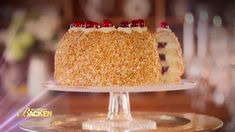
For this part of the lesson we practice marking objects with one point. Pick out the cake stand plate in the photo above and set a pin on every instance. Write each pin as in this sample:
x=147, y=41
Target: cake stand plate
x=184, y=84
x=167, y=122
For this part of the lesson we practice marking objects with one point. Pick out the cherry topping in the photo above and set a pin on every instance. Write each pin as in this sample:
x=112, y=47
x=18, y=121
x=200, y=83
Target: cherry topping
x=107, y=23
x=89, y=24
x=124, y=24
x=96, y=25
x=162, y=57
x=76, y=24
x=162, y=44
x=83, y=24
x=164, y=69
x=164, y=25
x=137, y=23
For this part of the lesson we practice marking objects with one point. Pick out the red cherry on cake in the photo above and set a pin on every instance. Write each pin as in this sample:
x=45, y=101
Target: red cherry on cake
x=96, y=25
x=76, y=24
x=141, y=22
x=124, y=24
x=164, y=25
x=137, y=23
x=83, y=24
x=89, y=24
x=107, y=23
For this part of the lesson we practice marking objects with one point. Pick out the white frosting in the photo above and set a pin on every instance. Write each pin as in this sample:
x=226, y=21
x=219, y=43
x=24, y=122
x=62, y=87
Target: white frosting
x=87, y=30
x=75, y=29
x=124, y=29
x=164, y=29
x=139, y=29
x=106, y=29
x=110, y=29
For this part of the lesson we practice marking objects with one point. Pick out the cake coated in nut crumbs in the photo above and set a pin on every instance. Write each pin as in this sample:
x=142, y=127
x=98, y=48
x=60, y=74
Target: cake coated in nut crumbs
x=91, y=54
x=106, y=59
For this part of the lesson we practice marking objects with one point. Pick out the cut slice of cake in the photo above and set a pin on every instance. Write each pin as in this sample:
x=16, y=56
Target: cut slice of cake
x=170, y=54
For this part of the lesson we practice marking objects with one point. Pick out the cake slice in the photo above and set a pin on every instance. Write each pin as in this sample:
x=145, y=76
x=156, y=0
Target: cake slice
x=170, y=54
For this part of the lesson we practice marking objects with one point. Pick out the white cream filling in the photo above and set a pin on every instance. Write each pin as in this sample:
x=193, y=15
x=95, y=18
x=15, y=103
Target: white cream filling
x=139, y=29
x=106, y=29
x=124, y=29
x=172, y=58
x=163, y=29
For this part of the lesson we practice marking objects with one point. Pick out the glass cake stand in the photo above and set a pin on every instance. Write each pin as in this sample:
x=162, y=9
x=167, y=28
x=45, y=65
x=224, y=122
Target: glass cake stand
x=166, y=122
x=119, y=117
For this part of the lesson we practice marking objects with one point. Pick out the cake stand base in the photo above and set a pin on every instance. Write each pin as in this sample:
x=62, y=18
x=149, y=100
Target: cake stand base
x=104, y=124
x=166, y=122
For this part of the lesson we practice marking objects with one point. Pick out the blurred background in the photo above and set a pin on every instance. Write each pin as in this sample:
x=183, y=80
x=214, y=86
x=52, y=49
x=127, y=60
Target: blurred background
x=31, y=29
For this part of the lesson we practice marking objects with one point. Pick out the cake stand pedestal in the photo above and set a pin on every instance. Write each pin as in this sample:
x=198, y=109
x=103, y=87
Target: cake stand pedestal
x=119, y=113
x=119, y=117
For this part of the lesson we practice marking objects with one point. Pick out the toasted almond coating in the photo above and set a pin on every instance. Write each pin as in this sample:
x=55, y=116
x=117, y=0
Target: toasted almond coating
x=106, y=59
